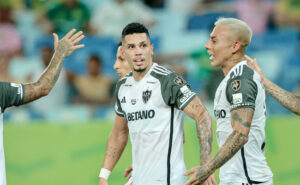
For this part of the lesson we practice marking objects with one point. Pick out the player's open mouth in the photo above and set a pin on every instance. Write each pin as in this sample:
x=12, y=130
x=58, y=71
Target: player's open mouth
x=211, y=57
x=139, y=61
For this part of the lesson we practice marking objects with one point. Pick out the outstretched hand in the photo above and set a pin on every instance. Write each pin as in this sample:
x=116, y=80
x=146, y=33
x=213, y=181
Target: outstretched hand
x=200, y=176
x=68, y=43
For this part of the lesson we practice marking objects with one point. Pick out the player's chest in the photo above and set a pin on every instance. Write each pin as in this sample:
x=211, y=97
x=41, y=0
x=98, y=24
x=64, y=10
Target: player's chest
x=140, y=96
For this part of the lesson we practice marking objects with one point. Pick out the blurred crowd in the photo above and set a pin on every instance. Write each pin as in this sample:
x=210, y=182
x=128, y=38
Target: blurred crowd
x=179, y=29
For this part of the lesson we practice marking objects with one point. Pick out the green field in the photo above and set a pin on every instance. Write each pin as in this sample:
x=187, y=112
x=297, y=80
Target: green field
x=42, y=153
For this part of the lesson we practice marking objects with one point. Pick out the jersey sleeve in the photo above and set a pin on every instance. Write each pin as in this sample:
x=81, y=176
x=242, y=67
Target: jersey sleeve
x=176, y=91
x=118, y=108
x=11, y=94
x=241, y=91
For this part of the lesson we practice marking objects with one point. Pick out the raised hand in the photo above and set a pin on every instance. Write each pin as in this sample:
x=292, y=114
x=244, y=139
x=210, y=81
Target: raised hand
x=68, y=43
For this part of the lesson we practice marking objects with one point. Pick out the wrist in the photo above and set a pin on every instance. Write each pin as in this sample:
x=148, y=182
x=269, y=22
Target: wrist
x=59, y=54
x=104, y=173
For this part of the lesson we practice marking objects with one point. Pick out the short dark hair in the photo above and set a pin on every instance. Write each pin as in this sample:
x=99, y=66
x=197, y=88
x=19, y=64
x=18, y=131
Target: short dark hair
x=95, y=58
x=134, y=27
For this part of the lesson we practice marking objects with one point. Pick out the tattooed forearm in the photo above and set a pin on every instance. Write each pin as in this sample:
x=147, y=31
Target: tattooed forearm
x=63, y=48
x=233, y=143
x=285, y=98
x=46, y=82
x=241, y=121
x=204, y=132
x=204, y=128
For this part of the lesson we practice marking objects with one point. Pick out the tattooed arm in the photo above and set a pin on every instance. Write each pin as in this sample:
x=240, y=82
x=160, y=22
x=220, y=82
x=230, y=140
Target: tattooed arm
x=63, y=48
x=241, y=120
x=198, y=112
x=115, y=145
x=285, y=98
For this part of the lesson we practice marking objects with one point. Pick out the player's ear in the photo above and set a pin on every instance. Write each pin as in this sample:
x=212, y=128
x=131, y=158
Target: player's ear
x=152, y=49
x=236, y=46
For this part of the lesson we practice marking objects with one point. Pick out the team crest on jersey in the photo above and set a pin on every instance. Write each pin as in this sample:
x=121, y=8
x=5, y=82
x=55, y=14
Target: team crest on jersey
x=178, y=80
x=236, y=84
x=146, y=95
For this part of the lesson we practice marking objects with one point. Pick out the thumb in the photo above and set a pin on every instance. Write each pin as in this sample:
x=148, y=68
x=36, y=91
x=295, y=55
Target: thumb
x=189, y=172
x=55, y=40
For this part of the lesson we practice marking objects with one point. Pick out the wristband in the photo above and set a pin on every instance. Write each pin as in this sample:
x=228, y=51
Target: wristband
x=104, y=173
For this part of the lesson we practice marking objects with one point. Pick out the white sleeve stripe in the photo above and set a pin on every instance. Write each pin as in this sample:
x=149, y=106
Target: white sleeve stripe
x=121, y=113
x=165, y=74
x=156, y=69
x=163, y=68
x=21, y=92
x=187, y=100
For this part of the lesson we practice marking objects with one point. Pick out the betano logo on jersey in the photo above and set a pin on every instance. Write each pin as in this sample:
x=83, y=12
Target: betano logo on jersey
x=140, y=115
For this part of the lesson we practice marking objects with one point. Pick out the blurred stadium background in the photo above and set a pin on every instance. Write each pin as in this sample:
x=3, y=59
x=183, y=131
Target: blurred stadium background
x=61, y=139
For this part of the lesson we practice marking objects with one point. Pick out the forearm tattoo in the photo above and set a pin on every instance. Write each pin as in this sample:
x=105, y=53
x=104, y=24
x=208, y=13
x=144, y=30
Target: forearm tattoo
x=285, y=98
x=47, y=80
x=241, y=122
x=204, y=131
x=234, y=142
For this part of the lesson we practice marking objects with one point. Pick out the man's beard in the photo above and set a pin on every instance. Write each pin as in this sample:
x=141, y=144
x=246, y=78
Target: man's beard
x=140, y=70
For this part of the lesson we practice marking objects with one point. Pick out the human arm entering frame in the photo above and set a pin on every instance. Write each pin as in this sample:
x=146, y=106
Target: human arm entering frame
x=285, y=98
x=198, y=112
x=241, y=121
x=115, y=145
x=63, y=48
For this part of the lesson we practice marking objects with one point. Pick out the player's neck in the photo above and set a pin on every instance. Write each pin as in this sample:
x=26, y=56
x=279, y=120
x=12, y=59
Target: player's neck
x=230, y=63
x=140, y=75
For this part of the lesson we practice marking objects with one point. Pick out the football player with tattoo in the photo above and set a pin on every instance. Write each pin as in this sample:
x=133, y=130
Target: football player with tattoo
x=150, y=102
x=285, y=98
x=239, y=108
x=12, y=94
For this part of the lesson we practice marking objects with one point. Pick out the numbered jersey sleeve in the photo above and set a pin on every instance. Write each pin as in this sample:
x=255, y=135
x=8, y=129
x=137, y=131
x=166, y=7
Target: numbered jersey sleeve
x=11, y=94
x=241, y=90
x=175, y=90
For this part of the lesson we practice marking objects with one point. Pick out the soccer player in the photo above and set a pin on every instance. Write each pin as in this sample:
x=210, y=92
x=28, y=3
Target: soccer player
x=149, y=107
x=12, y=94
x=285, y=98
x=121, y=65
x=239, y=108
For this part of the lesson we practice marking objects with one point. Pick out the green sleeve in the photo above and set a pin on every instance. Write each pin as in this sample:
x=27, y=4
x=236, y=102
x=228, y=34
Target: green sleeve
x=175, y=90
x=11, y=94
x=118, y=108
x=241, y=90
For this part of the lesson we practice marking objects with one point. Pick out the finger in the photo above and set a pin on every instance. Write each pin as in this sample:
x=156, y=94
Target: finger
x=189, y=182
x=213, y=179
x=55, y=40
x=78, y=39
x=196, y=182
x=69, y=34
x=78, y=47
x=75, y=36
x=189, y=172
x=128, y=177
